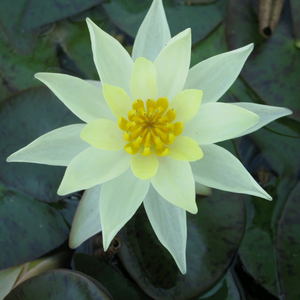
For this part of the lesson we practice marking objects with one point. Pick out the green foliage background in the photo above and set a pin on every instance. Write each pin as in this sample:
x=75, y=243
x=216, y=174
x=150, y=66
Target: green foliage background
x=239, y=247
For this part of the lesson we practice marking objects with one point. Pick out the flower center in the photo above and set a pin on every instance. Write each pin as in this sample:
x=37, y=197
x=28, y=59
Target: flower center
x=150, y=127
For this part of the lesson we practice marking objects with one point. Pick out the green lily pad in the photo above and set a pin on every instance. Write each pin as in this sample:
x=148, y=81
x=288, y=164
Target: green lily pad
x=28, y=228
x=108, y=276
x=278, y=174
x=295, y=10
x=288, y=245
x=272, y=70
x=59, y=284
x=225, y=289
x=23, y=118
x=39, y=13
x=17, y=70
x=214, y=235
x=128, y=16
x=21, y=40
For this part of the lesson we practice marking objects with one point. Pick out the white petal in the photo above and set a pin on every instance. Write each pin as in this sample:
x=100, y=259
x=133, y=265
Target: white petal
x=86, y=222
x=113, y=63
x=172, y=65
x=221, y=170
x=92, y=167
x=216, y=122
x=119, y=200
x=57, y=147
x=169, y=224
x=266, y=114
x=174, y=181
x=96, y=83
x=215, y=75
x=202, y=190
x=81, y=97
x=153, y=34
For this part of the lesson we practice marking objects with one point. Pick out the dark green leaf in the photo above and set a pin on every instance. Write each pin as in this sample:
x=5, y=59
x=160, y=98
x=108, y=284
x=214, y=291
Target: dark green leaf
x=59, y=284
x=23, y=118
x=288, y=245
x=119, y=286
x=18, y=70
x=273, y=68
x=28, y=228
x=274, y=169
x=226, y=289
x=38, y=13
x=10, y=20
x=214, y=235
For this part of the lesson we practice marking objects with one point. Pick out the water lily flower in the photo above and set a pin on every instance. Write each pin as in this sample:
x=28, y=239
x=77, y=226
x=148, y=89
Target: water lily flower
x=149, y=133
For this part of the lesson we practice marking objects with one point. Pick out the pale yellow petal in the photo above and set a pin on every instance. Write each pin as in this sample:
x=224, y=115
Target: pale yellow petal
x=185, y=148
x=186, y=104
x=118, y=100
x=144, y=167
x=103, y=134
x=143, y=80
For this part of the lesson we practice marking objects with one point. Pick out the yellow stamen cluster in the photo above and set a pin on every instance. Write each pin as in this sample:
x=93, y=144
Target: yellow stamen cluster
x=150, y=127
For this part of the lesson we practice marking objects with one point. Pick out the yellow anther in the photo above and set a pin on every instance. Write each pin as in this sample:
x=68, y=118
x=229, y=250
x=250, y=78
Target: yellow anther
x=138, y=119
x=122, y=123
x=162, y=152
x=163, y=102
x=136, y=132
x=151, y=111
x=150, y=103
x=126, y=136
x=170, y=126
x=151, y=128
x=131, y=124
x=131, y=114
x=158, y=142
x=161, y=134
x=171, y=138
x=178, y=128
x=146, y=151
x=142, y=111
x=137, y=104
x=159, y=109
x=171, y=114
x=130, y=149
x=163, y=119
x=137, y=143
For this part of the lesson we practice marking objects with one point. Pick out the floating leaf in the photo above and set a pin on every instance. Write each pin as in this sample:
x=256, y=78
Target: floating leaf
x=28, y=228
x=23, y=118
x=288, y=245
x=10, y=20
x=272, y=70
x=59, y=284
x=214, y=235
x=108, y=276
x=39, y=13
